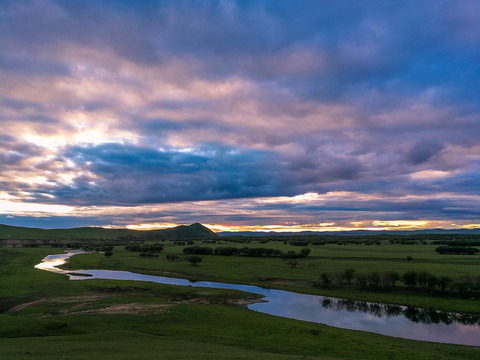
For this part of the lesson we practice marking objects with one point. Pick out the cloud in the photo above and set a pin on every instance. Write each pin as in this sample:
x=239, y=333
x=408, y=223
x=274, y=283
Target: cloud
x=108, y=103
x=423, y=151
x=136, y=174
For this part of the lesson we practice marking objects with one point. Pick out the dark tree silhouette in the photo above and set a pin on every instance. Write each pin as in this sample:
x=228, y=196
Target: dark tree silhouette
x=194, y=260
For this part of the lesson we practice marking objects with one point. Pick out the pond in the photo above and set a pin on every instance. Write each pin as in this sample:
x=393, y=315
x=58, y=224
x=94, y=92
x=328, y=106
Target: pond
x=391, y=320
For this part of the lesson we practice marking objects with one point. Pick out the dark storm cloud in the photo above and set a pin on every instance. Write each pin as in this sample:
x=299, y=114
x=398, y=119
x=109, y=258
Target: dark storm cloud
x=143, y=175
x=423, y=151
x=134, y=175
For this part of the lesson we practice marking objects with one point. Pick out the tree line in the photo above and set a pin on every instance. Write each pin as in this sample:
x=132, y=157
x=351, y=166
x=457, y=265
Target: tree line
x=466, y=286
x=359, y=239
x=457, y=250
x=245, y=251
x=465, y=242
x=145, y=251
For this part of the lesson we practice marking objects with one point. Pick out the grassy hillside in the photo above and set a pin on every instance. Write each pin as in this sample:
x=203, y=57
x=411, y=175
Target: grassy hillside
x=183, y=232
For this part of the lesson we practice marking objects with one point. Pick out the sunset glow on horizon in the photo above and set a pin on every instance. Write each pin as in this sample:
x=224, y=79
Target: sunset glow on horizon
x=241, y=115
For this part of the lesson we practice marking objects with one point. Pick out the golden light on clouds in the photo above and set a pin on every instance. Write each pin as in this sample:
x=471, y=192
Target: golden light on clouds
x=273, y=219
x=22, y=208
x=404, y=224
x=152, y=226
x=431, y=174
x=470, y=226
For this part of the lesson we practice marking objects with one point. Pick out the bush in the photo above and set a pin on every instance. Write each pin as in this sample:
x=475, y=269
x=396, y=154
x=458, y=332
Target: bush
x=194, y=260
x=326, y=279
x=171, y=257
x=304, y=252
x=292, y=263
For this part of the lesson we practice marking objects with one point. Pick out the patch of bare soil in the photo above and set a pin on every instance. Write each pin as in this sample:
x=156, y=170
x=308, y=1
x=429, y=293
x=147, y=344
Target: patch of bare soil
x=248, y=301
x=58, y=300
x=133, y=308
x=88, y=304
x=280, y=281
x=27, y=305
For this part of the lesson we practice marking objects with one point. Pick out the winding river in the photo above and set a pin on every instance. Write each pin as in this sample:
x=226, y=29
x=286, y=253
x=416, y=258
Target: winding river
x=391, y=320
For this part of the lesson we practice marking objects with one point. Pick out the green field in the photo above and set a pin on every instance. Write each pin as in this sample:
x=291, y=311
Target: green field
x=274, y=273
x=45, y=316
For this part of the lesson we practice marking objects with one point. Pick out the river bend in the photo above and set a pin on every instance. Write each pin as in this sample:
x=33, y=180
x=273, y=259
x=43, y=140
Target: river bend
x=390, y=320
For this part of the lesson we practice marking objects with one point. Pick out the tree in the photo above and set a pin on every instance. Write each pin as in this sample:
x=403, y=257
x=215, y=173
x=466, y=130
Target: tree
x=172, y=257
x=326, y=279
x=422, y=279
x=194, y=260
x=291, y=262
x=373, y=279
x=349, y=274
x=432, y=281
x=389, y=279
x=290, y=255
x=410, y=278
x=443, y=282
x=362, y=281
x=304, y=252
x=338, y=277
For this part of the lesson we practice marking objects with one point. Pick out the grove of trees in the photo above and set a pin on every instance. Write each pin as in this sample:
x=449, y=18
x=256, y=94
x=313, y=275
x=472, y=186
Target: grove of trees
x=422, y=281
x=461, y=250
x=246, y=251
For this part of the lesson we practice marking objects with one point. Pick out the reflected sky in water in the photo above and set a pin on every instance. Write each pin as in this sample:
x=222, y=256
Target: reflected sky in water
x=409, y=323
x=51, y=262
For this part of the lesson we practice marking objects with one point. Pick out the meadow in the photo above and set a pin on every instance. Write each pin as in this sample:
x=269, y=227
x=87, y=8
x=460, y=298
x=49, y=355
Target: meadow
x=272, y=272
x=44, y=315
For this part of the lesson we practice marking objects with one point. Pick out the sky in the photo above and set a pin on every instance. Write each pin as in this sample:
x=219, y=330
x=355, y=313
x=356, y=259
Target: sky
x=241, y=115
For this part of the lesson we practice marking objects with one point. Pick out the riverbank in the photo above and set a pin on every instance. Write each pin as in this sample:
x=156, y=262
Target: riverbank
x=405, y=322
x=305, y=278
x=213, y=329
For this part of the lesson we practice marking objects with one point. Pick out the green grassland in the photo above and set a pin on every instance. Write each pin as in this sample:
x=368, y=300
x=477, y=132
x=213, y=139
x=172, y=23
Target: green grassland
x=274, y=273
x=46, y=316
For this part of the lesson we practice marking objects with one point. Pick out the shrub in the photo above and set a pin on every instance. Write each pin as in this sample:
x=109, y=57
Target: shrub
x=194, y=260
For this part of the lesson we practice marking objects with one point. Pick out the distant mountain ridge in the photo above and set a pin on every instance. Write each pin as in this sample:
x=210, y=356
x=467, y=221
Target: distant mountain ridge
x=354, y=232
x=186, y=232
x=182, y=232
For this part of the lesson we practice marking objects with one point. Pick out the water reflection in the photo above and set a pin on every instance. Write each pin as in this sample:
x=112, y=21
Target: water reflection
x=416, y=315
x=52, y=262
x=391, y=320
